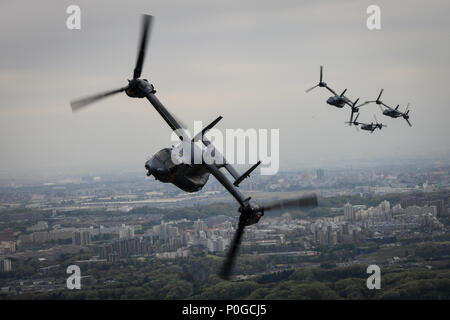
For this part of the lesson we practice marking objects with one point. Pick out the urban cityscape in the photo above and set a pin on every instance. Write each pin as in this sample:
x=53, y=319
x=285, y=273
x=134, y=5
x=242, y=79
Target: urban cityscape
x=96, y=220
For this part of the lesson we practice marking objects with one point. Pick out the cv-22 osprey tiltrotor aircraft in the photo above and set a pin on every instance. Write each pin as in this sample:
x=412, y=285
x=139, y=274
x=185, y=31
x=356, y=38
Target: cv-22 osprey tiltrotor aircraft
x=367, y=126
x=192, y=177
x=391, y=112
x=338, y=100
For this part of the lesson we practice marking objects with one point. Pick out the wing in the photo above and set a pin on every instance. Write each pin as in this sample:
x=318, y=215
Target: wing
x=331, y=90
x=386, y=106
x=220, y=176
x=169, y=118
x=348, y=101
x=364, y=103
x=214, y=168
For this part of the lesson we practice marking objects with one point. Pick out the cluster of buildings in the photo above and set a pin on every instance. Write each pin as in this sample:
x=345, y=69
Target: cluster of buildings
x=329, y=233
x=79, y=236
x=396, y=220
x=399, y=221
x=161, y=239
x=357, y=223
x=168, y=240
x=124, y=248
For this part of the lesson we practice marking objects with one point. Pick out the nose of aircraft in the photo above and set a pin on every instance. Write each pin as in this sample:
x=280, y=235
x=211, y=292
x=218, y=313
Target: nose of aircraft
x=149, y=168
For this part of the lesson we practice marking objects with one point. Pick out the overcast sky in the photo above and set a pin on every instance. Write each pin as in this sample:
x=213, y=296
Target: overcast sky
x=249, y=61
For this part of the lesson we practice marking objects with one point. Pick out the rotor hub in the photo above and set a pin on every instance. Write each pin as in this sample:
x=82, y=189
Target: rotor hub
x=250, y=214
x=137, y=87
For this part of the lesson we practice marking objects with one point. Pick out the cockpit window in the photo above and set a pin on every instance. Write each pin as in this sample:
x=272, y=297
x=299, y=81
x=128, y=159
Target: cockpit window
x=165, y=156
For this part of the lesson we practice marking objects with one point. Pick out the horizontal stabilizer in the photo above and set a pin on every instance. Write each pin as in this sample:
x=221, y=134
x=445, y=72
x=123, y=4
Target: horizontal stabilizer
x=199, y=135
x=246, y=174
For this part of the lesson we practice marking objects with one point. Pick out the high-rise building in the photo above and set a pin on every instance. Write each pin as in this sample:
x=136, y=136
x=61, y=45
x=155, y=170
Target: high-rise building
x=8, y=247
x=199, y=225
x=385, y=206
x=126, y=232
x=5, y=265
x=348, y=212
x=81, y=238
x=439, y=206
x=85, y=238
x=320, y=173
x=345, y=229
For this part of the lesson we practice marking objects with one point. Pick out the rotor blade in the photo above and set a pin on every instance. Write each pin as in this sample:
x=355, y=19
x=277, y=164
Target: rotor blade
x=227, y=266
x=303, y=202
x=408, y=122
x=321, y=73
x=407, y=108
x=80, y=103
x=364, y=103
x=146, y=25
x=379, y=96
x=312, y=88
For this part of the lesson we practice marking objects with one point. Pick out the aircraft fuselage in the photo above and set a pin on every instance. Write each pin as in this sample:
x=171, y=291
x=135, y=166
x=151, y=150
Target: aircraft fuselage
x=392, y=113
x=337, y=101
x=189, y=178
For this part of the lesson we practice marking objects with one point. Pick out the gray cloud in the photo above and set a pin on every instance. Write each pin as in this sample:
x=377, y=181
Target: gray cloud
x=249, y=61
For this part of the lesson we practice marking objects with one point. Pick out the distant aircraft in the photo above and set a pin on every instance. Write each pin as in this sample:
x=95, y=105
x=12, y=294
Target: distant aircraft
x=367, y=126
x=391, y=112
x=337, y=100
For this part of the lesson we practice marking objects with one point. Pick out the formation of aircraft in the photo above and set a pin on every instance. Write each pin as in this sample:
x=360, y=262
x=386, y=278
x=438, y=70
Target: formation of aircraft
x=191, y=177
x=340, y=100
